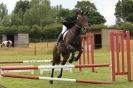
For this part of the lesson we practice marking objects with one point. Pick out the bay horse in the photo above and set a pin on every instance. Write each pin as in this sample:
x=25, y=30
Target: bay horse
x=7, y=43
x=71, y=40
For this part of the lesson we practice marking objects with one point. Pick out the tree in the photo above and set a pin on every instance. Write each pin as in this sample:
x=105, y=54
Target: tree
x=3, y=11
x=7, y=21
x=21, y=7
x=19, y=11
x=124, y=11
x=60, y=13
x=94, y=16
x=39, y=13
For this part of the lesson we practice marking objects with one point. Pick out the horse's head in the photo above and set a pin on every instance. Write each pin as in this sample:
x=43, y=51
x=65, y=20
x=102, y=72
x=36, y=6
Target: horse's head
x=82, y=21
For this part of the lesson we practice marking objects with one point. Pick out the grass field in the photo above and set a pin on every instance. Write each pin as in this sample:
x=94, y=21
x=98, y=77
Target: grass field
x=44, y=51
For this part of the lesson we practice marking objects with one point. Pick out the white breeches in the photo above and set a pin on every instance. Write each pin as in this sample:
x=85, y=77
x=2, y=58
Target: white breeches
x=64, y=28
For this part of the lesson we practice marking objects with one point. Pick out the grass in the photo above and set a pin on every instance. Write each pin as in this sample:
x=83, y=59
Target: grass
x=44, y=52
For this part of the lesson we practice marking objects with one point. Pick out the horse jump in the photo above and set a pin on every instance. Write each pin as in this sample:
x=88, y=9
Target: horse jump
x=116, y=39
x=117, y=68
x=30, y=61
x=88, y=50
x=120, y=41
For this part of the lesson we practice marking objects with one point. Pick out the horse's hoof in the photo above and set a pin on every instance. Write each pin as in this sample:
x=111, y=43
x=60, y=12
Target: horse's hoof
x=59, y=76
x=51, y=82
x=75, y=59
x=70, y=61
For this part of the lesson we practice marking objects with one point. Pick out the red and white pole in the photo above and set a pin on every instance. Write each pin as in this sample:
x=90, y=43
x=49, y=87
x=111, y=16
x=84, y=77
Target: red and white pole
x=51, y=67
x=25, y=61
x=55, y=79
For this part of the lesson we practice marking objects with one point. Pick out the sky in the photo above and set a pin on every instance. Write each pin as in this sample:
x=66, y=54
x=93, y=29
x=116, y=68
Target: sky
x=105, y=7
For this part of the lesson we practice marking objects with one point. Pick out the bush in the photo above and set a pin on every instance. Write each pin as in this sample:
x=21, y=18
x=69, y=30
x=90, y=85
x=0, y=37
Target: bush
x=127, y=26
x=49, y=32
x=24, y=29
x=98, y=27
x=1, y=29
x=10, y=29
x=36, y=29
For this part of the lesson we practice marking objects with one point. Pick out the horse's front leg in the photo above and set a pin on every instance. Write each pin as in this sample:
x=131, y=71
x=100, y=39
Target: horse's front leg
x=52, y=74
x=79, y=54
x=72, y=57
x=65, y=58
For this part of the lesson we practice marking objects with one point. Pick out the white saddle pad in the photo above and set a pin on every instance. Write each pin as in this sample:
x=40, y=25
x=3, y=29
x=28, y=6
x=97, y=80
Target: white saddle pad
x=64, y=35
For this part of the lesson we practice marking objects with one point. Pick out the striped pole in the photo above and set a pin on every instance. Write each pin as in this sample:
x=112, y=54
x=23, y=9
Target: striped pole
x=55, y=79
x=25, y=61
x=51, y=67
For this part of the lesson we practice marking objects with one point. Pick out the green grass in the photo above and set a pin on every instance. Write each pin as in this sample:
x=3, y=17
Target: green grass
x=101, y=56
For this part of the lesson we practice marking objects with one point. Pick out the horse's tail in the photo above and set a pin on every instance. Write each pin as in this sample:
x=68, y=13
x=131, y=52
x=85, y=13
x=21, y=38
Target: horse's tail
x=1, y=45
x=56, y=55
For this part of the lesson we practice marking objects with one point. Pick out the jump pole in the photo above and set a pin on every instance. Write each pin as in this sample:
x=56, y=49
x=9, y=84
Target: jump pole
x=55, y=79
x=51, y=67
x=25, y=61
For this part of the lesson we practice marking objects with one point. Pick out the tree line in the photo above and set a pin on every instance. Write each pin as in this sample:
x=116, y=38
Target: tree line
x=43, y=21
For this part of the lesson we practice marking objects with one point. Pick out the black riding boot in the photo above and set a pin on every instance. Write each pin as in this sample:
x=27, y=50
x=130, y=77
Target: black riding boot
x=60, y=37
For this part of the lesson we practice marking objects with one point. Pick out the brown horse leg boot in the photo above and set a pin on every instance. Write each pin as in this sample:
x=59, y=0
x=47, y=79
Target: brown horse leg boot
x=71, y=48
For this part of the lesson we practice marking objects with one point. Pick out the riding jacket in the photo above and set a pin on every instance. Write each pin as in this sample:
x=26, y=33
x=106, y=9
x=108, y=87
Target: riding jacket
x=69, y=21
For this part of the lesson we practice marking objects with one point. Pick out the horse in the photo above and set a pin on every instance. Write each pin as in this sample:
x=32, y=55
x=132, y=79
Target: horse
x=72, y=40
x=7, y=43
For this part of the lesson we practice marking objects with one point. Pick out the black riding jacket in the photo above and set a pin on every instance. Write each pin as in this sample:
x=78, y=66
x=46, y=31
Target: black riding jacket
x=69, y=21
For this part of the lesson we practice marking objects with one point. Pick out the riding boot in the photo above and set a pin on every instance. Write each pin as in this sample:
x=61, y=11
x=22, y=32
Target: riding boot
x=60, y=37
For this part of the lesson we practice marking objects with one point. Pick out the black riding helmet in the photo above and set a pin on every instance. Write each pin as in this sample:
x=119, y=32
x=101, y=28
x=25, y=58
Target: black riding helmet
x=77, y=11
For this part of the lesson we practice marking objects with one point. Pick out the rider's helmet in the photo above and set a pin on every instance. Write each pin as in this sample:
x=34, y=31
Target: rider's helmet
x=77, y=11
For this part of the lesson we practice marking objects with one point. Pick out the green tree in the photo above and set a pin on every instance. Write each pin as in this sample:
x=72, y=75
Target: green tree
x=60, y=13
x=7, y=21
x=16, y=20
x=19, y=10
x=39, y=13
x=94, y=16
x=124, y=11
x=3, y=12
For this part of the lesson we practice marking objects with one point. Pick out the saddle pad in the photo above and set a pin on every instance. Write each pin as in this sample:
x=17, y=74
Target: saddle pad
x=64, y=34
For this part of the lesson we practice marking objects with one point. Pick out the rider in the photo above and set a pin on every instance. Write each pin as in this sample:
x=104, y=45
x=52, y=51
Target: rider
x=68, y=23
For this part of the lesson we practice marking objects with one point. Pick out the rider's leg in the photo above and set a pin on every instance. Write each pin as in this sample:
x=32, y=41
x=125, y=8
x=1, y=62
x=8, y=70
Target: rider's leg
x=64, y=28
x=60, y=37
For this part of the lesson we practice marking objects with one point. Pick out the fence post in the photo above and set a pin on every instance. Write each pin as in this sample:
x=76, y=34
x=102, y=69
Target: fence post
x=35, y=50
